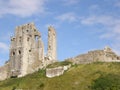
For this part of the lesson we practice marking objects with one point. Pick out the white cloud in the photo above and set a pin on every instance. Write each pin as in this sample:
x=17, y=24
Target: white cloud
x=69, y=17
x=106, y=35
x=111, y=23
x=104, y=20
x=94, y=7
x=117, y=4
x=3, y=47
x=70, y=2
x=111, y=26
x=22, y=8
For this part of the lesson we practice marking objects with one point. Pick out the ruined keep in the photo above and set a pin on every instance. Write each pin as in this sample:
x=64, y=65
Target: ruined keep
x=27, y=52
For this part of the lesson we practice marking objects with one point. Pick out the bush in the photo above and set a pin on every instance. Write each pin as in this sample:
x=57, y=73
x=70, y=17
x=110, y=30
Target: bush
x=107, y=82
x=14, y=88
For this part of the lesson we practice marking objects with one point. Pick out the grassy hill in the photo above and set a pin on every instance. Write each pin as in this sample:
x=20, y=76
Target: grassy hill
x=95, y=76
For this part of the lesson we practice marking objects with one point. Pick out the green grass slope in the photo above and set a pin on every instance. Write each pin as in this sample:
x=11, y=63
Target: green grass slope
x=95, y=76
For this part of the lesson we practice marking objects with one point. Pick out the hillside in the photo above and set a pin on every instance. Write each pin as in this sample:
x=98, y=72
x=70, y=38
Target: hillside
x=95, y=76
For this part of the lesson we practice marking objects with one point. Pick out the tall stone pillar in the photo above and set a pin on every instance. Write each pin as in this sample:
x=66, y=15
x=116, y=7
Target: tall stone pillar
x=52, y=54
x=41, y=50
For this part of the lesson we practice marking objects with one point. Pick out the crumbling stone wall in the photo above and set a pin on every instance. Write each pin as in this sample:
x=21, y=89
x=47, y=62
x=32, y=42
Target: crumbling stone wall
x=4, y=72
x=105, y=55
x=54, y=72
x=57, y=71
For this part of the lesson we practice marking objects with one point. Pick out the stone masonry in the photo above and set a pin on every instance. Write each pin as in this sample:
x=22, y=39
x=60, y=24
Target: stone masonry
x=57, y=71
x=52, y=54
x=105, y=55
x=27, y=52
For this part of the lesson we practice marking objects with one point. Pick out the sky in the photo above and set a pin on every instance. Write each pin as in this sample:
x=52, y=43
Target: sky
x=81, y=25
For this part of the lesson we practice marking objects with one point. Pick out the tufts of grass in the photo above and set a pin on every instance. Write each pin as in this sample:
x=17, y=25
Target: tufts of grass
x=57, y=64
x=94, y=76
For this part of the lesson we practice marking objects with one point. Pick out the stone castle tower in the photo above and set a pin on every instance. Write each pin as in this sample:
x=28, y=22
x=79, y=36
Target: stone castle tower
x=27, y=51
x=51, y=55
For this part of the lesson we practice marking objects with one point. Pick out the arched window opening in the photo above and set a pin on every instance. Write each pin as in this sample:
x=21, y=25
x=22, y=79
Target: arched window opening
x=29, y=50
x=19, y=52
x=13, y=53
x=36, y=38
x=27, y=30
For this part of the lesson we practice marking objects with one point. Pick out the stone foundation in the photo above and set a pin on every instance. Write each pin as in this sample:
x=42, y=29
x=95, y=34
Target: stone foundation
x=57, y=71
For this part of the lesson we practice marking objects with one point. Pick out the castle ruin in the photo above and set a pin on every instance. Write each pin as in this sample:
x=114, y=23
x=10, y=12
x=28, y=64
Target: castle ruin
x=27, y=52
x=52, y=54
x=105, y=55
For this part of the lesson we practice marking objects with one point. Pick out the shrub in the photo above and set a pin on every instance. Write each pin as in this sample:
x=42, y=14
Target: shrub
x=107, y=82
